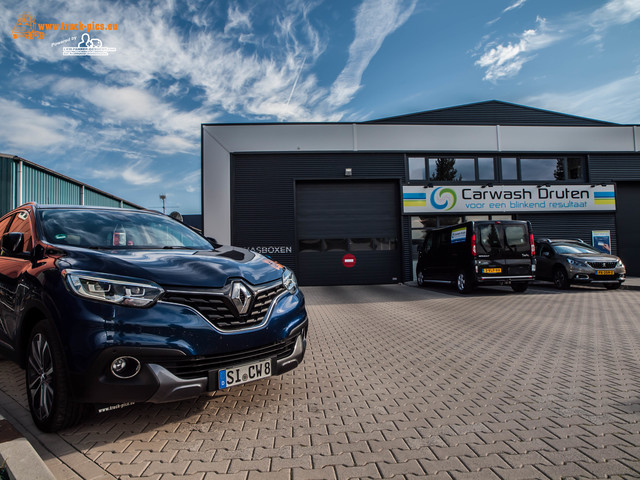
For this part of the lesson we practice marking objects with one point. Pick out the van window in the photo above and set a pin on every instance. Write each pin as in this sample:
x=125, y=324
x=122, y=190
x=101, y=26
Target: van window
x=489, y=241
x=516, y=238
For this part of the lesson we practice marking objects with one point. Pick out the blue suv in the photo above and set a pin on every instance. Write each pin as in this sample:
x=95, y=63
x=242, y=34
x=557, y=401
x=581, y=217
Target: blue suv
x=113, y=306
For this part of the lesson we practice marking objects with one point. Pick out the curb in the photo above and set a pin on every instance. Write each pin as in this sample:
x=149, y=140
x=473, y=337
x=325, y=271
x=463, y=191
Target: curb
x=18, y=456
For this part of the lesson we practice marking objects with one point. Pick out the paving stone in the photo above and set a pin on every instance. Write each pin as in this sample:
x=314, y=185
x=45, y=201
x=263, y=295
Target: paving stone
x=397, y=382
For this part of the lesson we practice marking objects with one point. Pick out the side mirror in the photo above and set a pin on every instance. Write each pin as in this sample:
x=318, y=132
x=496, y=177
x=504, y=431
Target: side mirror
x=214, y=243
x=546, y=254
x=12, y=244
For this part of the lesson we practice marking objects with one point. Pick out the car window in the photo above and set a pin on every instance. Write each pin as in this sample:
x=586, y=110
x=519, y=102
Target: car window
x=116, y=229
x=4, y=223
x=22, y=224
x=428, y=243
x=545, y=250
x=574, y=248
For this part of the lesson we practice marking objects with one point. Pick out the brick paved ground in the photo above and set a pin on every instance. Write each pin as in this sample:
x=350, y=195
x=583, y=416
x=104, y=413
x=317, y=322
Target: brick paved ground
x=398, y=382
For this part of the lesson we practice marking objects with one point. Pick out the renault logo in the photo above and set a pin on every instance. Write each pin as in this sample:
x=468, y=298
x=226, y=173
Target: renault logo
x=241, y=297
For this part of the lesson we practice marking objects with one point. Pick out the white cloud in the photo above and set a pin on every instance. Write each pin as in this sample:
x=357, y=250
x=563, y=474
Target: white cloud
x=617, y=101
x=173, y=144
x=31, y=129
x=515, y=5
x=237, y=19
x=375, y=20
x=135, y=173
x=123, y=105
x=507, y=60
x=615, y=12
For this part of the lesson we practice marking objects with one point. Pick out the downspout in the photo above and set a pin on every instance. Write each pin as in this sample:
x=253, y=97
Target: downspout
x=19, y=179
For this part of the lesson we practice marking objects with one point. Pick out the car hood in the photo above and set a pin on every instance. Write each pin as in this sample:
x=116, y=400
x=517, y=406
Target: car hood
x=184, y=268
x=592, y=257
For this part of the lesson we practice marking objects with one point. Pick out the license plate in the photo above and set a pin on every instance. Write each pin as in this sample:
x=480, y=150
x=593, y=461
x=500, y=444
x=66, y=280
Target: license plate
x=244, y=373
x=491, y=270
x=605, y=272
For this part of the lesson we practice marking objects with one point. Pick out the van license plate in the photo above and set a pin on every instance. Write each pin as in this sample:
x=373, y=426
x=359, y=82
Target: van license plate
x=605, y=272
x=491, y=270
x=244, y=373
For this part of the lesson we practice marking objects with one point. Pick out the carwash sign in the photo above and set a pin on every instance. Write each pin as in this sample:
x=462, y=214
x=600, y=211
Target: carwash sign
x=507, y=198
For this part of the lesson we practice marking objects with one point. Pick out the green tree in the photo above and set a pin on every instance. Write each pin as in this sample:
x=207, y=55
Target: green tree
x=445, y=170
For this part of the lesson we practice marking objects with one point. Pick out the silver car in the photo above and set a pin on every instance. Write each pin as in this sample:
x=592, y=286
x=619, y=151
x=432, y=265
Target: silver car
x=573, y=261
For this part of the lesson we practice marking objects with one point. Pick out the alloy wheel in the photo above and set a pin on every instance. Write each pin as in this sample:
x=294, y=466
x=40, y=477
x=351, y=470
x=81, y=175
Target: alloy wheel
x=40, y=376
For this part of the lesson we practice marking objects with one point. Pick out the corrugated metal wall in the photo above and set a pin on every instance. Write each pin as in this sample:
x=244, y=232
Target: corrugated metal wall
x=573, y=225
x=263, y=194
x=99, y=200
x=41, y=187
x=7, y=194
x=608, y=168
x=46, y=187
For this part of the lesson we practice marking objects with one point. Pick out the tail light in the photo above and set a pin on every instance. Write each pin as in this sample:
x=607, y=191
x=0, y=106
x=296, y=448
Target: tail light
x=533, y=245
x=474, y=250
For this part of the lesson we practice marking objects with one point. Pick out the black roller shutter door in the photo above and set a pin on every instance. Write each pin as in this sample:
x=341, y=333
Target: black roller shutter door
x=348, y=232
x=628, y=200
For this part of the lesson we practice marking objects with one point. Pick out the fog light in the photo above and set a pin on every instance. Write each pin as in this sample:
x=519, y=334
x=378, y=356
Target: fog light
x=125, y=367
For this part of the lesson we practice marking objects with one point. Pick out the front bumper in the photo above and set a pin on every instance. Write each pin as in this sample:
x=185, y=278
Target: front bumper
x=593, y=278
x=168, y=375
x=586, y=275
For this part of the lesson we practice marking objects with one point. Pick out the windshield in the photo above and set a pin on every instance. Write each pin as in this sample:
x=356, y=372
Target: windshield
x=116, y=229
x=573, y=248
x=494, y=239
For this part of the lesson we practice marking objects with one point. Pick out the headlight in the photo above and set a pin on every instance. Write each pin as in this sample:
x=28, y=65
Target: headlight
x=572, y=261
x=130, y=292
x=619, y=264
x=289, y=281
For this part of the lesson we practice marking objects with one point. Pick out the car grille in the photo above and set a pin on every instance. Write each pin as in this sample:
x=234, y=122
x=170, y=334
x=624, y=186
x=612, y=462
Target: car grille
x=199, y=366
x=602, y=264
x=218, y=309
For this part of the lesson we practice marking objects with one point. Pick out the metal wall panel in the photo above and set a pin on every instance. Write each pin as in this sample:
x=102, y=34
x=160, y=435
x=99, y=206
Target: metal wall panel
x=576, y=225
x=427, y=137
x=97, y=199
x=627, y=201
x=7, y=183
x=42, y=187
x=611, y=168
x=492, y=112
x=263, y=194
x=566, y=139
x=216, y=188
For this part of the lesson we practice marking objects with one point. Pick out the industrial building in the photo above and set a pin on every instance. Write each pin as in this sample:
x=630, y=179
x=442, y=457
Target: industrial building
x=23, y=181
x=347, y=203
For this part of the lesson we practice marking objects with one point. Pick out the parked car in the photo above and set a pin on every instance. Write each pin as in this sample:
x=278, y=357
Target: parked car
x=112, y=306
x=478, y=253
x=573, y=261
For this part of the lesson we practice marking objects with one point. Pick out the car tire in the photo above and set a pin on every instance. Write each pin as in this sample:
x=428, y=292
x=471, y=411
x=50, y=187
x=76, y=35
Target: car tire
x=613, y=286
x=560, y=278
x=420, y=279
x=519, y=286
x=47, y=382
x=463, y=282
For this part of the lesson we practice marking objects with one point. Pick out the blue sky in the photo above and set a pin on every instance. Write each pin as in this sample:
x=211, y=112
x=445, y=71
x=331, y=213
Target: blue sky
x=129, y=122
